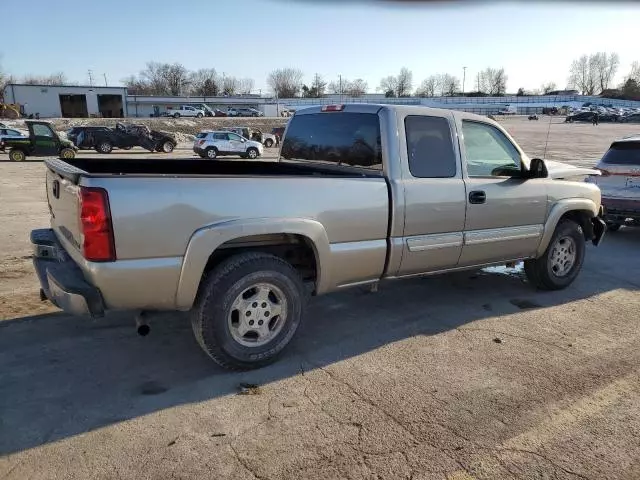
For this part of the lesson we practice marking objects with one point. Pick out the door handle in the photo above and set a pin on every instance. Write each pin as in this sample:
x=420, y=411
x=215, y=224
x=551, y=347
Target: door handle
x=477, y=196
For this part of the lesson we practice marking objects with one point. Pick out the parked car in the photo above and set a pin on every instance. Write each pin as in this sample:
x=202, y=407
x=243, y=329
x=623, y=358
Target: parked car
x=185, y=111
x=267, y=139
x=580, y=117
x=219, y=143
x=631, y=118
x=11, y=133
x=533, y=117
x=85, y=133
x=127, y=136
x=362, y=193
x=244, y=112
x=619, y=182
x=42, y=141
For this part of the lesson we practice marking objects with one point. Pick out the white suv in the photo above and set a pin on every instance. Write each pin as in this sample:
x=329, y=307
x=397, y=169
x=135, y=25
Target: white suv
x=212, y=144
x=185, y=111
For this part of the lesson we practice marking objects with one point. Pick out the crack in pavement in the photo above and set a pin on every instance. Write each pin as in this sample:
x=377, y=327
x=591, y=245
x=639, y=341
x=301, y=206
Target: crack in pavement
x=244, y=464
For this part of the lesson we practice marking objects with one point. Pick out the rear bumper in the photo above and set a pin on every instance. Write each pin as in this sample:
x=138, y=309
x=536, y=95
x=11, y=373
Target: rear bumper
x=61, y=281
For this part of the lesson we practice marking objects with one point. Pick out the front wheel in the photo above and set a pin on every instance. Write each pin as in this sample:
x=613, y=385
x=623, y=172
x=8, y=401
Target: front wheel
x=252, y=153
x=67, y=153
x=199, y=115
x=16, y=155
x=248, y=309
x=176, y=115
x=561, y=262
x=268, y=143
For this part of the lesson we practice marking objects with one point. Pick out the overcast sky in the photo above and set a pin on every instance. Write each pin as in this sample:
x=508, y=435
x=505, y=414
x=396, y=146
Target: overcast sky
x=249, y=38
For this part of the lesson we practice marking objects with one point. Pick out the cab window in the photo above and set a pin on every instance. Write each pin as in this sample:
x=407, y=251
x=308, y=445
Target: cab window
x=42, y=131
x=488, y=151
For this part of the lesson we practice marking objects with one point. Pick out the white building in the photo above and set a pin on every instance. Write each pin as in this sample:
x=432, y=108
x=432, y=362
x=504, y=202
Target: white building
x=68, y=100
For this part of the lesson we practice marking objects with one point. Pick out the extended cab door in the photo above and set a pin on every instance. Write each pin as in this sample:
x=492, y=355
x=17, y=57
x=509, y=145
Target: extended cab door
x=435, y=199
x=505, y=216
x=45, y=142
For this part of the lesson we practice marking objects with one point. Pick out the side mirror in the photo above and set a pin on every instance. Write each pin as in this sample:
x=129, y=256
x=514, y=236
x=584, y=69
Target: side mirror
x=538, y=169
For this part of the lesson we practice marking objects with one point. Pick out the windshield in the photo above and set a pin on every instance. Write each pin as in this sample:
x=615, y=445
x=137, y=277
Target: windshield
x=342, y=138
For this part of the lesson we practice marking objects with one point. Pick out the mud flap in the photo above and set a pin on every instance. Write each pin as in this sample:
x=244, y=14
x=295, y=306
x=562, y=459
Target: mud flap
x=599, y=229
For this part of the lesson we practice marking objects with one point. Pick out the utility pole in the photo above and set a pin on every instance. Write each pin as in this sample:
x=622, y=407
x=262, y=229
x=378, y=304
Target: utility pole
x=478, y=81
x=340, y=77
x=90, y=78
x=105, y=80
x=464, y=77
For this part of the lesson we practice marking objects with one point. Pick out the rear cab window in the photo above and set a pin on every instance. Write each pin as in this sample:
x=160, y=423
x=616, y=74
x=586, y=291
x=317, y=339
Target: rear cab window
x=202, y=135
x=623, y=153
x=430, y=147
x=339, y=138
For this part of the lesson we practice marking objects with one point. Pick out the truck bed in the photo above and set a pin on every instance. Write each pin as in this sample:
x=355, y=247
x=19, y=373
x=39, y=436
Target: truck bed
x=101, y=167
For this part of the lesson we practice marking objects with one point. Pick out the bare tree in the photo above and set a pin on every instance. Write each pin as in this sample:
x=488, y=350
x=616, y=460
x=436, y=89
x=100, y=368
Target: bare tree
x=285, y=82
x=547, y=87
x=318, y=87
x=389, y=85
x=205, y=82
x=357, y=88
x=634, y=74
x=58, y=78
x=246, y=85
x=404, y=82
x=449, y=84
x=230, y=85
x=606, y=65
x=492, y=81
x=583, y=75
x=429, y=86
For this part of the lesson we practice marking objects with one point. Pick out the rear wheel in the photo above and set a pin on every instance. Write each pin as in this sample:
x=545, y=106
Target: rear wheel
x=268, y=143
x=561, y=262
x=248, y=309
x=176, y=115
x=104, y=147
x=211, y=153
x=17, y=155
x=252, y=153
x=167, y=147
x=67, y=153
x=199, y=115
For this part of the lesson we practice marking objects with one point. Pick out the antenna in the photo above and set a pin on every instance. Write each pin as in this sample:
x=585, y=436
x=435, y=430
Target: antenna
x=544, y=154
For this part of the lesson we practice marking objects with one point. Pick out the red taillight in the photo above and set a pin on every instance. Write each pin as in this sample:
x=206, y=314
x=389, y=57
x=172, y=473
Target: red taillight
x=603, y=173
x=201, y=142
x=95, y=219
x=332, y=108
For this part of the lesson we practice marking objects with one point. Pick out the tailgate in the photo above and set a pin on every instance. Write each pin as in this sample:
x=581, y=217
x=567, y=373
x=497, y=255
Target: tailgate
x=64, y=205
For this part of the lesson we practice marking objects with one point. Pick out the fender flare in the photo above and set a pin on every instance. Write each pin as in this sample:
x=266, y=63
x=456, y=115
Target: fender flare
x=207, y=239
x=559, y=209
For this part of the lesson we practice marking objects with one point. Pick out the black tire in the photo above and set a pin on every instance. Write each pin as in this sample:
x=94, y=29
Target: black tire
x=268, y=143
x=212, y=315
x=252, y=153
x=127, y=148
x=211, y=153
x=540, y=272
x=176, y=115
x=104, y=147
x=67, y=154
x=199, y=115
x=167, y=146
x=17, y=155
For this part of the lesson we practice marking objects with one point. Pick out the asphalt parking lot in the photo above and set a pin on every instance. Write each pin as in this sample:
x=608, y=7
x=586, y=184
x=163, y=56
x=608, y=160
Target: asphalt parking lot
x=466, y=376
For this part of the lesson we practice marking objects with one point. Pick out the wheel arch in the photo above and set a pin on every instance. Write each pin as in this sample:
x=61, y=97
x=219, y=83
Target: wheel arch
x=211, y=245
x=580, y=210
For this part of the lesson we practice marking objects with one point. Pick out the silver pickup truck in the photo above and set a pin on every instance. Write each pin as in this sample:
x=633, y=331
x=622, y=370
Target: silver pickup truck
x=361, y=193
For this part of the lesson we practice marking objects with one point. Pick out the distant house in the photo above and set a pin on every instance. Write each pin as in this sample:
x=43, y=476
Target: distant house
x=563, y=92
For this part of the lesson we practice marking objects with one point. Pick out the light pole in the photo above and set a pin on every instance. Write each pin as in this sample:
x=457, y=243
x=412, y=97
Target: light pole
x=340, y=77
x=464, y=77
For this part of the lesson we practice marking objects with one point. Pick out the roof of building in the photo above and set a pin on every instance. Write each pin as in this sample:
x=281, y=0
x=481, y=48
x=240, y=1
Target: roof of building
x=63, y=86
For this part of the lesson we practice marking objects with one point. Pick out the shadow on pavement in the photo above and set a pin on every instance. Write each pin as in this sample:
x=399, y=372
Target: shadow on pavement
x=61, y=376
